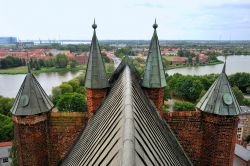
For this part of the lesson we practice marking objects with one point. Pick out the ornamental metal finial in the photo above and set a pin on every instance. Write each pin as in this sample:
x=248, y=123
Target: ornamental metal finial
x=94, y=26
x=155, y=25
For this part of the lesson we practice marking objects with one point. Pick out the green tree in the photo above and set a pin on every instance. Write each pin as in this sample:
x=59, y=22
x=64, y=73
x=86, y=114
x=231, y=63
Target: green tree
x=5, y=105
x=66, y=88
x=183, y=106
x=124, y=51
x=72, y=102
x=61, y=61
x=241, y=80
x=75, y=84
x=189, y=89
x=248, y=90
x=105, y=58
x=73, y=64
x=56, y=92
x=6, y=128
x=238, y=94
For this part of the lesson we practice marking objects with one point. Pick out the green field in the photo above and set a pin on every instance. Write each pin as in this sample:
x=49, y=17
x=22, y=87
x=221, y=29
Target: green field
x=23, y=70
x=169, y=58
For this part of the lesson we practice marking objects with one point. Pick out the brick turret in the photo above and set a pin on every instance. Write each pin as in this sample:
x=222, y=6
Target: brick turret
x=220, y=111
x=96, y=81
x=31, y=133
x=219, y=138
x=154, y=79
x=30, y=115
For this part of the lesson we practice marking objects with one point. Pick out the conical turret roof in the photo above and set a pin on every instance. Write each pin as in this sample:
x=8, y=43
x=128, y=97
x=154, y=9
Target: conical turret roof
x=154, y=74
x=220, y=98
x=95, y=77
x=31, y=98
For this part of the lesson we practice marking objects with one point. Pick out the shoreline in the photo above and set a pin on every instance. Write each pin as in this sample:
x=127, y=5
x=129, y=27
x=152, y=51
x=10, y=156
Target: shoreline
x=184, y=66
x=24, y=70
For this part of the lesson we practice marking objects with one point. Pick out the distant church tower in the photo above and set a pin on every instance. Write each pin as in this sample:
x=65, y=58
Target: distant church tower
x=154, y=79
x=220, y=111
x=30, y=115
x=96, y=81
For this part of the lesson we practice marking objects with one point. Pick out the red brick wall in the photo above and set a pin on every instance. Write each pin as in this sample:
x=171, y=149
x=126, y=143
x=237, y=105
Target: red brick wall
x=94, y=98
x=187, y=127
x=65, y=128
x=218, y=140
x=31, y=139
x=157, y=96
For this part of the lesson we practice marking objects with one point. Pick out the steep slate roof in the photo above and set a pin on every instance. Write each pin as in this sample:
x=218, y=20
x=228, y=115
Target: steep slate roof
x=95, y=77
x=31, y=99
x=154, y=74
x=127, y=131
x=220, y=98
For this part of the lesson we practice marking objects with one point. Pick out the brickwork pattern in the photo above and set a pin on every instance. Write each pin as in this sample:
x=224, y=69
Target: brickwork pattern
x=157, y=96
x=31, y=139
x=188, y=130
x=65, y=128
x=218, y=140
x=95, y=98
x=208, y=139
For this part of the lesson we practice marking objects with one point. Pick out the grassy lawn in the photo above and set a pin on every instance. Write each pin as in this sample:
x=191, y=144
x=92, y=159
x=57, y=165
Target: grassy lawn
x=14, y=70
x=23, y=70
x=169, y=58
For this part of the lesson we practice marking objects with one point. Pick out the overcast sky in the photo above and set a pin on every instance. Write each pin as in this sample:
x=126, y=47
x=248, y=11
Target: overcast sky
x=126, y=19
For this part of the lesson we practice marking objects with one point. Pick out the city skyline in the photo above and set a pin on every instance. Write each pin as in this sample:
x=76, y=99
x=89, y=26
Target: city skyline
x=126, y=20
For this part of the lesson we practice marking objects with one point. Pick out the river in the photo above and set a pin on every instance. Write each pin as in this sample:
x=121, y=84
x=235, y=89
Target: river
x=10, y=84
x=239, y=63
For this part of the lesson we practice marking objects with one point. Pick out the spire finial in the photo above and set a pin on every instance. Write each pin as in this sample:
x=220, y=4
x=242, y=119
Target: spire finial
x=155, y=25
x=94, y=26
x=28, y=64
x=224, y=67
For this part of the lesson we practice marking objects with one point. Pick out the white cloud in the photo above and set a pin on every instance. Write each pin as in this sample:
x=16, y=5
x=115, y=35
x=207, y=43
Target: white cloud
x=125, y=19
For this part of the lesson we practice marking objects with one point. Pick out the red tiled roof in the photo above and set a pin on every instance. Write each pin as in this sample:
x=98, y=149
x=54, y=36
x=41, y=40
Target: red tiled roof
x=3, y=144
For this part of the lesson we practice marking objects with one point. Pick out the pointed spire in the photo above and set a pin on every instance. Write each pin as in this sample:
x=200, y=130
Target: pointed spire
x=95, y=77
x=154, y=74
x=155, y=25
x=29, y=68
x=28, y=63
x=220, y=98
x=224, y=67
x=94, y=26
x=31, y=99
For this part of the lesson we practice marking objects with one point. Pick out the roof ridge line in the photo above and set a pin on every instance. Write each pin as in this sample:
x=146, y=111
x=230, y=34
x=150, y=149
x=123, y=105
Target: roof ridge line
x=128, y=153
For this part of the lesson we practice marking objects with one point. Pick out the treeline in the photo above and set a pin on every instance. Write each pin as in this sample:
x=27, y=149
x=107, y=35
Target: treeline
x=192, y=88
x=61, y=61
x=124, y=51
x=236, y=51
x=78, y=48
x=10, y=62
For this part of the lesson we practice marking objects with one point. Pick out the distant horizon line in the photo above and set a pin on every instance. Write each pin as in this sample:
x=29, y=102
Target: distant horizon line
x=87, y=40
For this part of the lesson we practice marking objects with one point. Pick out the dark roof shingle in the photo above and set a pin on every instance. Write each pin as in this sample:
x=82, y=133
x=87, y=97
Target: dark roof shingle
x=126, y=130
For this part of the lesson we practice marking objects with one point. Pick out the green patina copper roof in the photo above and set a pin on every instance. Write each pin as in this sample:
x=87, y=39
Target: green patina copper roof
x=95, y=75
x=31, y=98
x=154, y=74
x=220, y=98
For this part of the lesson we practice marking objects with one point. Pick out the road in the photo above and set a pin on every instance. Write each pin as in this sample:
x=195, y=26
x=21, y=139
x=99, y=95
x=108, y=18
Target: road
x=116, y=60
